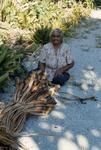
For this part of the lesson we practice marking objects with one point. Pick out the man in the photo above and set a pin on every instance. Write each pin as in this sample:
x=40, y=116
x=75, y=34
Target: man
x=56, y=59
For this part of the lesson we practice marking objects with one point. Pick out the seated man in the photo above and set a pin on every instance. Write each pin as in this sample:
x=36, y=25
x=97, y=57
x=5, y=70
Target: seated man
x=56, y=59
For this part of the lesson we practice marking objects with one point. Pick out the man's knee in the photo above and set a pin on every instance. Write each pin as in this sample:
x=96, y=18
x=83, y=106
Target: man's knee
x=60, y=79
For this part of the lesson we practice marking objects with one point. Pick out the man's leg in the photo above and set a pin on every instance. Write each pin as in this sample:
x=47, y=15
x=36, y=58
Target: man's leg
x=61, y=79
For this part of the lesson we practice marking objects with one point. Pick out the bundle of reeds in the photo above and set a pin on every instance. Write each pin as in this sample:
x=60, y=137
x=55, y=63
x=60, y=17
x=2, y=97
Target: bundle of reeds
x=33, y=96
x=8, y=141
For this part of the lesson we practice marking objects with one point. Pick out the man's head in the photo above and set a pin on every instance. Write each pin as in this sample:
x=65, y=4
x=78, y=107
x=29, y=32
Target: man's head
x=56, y=36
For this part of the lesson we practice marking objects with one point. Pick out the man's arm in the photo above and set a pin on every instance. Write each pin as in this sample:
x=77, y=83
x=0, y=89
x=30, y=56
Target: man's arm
x=64, y=68
x=67, y=67
x=42, y=67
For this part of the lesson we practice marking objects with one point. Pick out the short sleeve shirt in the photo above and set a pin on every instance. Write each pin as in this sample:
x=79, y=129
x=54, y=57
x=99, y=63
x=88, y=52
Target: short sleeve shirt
x=54, y=60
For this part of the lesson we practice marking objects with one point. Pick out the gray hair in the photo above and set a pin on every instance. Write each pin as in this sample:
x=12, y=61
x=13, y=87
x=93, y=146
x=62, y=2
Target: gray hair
x=57, y=30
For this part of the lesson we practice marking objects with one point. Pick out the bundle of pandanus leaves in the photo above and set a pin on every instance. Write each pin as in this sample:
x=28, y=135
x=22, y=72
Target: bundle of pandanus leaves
x=33, y=96
x=8, y=141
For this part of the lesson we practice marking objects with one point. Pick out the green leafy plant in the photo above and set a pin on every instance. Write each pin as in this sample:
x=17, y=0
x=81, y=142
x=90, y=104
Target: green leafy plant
x=41, y=36
x=9, y=62
x=97, y=2
x=33, y=14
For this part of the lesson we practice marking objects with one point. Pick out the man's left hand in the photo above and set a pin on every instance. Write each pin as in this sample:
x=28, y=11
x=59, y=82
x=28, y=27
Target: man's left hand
x=59, y=72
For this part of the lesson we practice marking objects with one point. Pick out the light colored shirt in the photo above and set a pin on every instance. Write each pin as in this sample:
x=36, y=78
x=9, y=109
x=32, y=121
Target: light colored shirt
x=54, y=60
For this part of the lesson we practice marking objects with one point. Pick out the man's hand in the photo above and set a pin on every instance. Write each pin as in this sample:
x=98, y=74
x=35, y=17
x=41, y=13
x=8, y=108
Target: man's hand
x=64, y=69
x=59, y=72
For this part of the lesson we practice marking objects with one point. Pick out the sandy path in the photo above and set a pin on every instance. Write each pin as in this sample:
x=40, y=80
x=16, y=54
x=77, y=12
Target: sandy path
x=75, y=126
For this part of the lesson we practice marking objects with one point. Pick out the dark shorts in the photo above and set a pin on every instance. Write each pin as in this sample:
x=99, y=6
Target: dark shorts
x=61, y=79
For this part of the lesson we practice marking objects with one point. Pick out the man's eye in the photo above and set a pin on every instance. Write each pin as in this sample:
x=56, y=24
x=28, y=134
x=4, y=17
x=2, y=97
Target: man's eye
x=56, y=36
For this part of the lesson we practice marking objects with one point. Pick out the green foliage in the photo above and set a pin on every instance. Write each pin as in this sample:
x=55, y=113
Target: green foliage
x=97, y=2
x=41, y=35
x=90, y=3
x=33, y=14
x=9, y=63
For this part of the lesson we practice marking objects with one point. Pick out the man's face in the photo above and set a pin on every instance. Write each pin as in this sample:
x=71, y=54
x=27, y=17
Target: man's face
x=56, y=38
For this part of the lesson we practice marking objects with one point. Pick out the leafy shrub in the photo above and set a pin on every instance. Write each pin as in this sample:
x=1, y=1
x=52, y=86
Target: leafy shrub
x=33, y=14
x=9, y=62
x=41, y=36
x=97, y=2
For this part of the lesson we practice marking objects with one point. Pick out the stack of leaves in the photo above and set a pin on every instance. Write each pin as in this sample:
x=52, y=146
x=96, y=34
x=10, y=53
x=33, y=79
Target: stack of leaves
x=9, y=63
x=32, y=96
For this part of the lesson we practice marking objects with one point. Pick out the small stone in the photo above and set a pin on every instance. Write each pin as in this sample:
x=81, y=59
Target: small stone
x=89, y=68
x=76, y=83
x=84, y=87
x=84, y=36
x=85, y=49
